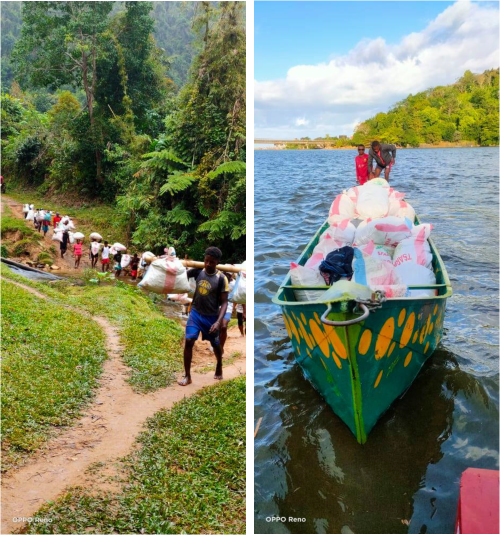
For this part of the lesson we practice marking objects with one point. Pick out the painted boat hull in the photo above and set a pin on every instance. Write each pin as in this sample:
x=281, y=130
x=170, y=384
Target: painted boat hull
x=361, y=369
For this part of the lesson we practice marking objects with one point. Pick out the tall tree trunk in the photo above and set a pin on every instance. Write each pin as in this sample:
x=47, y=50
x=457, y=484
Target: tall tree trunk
x=89, y=93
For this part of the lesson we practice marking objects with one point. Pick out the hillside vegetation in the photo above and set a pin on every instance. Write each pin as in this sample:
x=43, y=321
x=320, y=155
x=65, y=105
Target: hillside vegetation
x=464, y=111
x=97, y=111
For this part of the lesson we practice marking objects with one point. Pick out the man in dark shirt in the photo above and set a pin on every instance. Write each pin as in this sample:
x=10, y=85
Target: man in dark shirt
x=207, y=311
x=384, y=156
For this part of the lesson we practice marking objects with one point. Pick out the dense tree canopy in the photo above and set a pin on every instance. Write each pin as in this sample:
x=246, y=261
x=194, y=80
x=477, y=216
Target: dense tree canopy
x=464, y=111
x=93, y=111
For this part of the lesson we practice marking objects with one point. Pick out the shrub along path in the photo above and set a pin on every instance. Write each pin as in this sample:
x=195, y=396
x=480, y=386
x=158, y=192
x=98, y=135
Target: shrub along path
x=105, y=434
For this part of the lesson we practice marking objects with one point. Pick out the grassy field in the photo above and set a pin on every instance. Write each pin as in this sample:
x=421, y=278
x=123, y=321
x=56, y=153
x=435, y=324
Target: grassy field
x=153, y=351
x=187, y=477
x=52, y=358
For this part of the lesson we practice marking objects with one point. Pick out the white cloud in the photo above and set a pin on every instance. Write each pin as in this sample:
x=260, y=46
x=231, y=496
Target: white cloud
x=374, y=75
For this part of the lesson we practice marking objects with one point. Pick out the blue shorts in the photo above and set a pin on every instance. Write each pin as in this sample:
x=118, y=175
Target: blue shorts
x=227, y=316
x=199, y=323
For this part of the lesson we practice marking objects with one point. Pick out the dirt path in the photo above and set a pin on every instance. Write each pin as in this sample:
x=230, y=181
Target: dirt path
x=105, y=433
x=65, y=264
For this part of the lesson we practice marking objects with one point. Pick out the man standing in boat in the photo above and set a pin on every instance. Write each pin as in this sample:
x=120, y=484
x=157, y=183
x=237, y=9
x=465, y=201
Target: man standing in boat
x=361, y=165
x=385, y=157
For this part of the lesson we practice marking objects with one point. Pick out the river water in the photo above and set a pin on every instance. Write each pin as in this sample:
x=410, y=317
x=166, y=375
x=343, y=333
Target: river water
x=405, y=479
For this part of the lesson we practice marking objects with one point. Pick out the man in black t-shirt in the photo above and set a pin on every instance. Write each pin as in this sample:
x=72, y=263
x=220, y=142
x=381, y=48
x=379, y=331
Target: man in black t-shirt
x=208, y=309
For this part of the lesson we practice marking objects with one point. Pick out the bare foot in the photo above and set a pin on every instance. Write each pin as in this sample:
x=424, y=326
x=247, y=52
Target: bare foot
x=218, y=377
x=184, y=381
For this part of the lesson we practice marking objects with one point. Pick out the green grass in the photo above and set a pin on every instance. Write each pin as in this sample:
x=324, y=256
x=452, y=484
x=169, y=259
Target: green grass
x=52, y=358
x=187, y=477
x=12, y=224
x=152, y=343
x=93, y=217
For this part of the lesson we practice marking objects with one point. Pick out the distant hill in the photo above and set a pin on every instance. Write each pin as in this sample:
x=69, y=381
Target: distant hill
x=173, y=34
x=464, y=111
x=11, y=28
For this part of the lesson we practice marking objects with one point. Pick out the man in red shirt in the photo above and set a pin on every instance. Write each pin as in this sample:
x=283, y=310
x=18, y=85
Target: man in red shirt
x=57, y=218
x=361, y=165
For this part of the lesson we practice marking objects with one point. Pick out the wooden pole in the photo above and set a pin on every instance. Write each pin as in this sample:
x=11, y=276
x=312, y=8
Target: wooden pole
x=201, y=265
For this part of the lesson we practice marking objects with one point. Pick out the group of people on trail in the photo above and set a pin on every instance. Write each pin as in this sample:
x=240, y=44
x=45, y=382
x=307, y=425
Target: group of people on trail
x=384, y=156
x=210, y=312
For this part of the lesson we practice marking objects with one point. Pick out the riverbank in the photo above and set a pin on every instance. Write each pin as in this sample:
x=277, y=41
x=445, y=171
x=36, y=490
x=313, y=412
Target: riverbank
x=443, y=145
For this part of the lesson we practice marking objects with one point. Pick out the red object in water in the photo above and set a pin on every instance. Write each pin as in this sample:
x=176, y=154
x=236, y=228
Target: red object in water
x=478, y=502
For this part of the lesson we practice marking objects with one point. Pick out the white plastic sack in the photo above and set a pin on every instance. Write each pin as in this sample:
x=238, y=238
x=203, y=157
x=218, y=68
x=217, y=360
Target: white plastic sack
x=412, y=274
x=379, y=181
x=71, y=225
x=415, y=250
x=304, y=276
x=387, y=231
x=31, y=215
x=371, y=271
x=71, y=237
x=342, y=208
x=239, y=293
x=78, y=236
x=117, y=247
x=326, y=245
x=353, y=194
x=95, y=236
x=315, y=260
x=26, y=208
x=373, y=201
x=57, y=236
x=417, y=230
x=166, y=276
x=341, y=231
x=400, y=208
x=125, y=260
x=398, y=195
x=377, y=251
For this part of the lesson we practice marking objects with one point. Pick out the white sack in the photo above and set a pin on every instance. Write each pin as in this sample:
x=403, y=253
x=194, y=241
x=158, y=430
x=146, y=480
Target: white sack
x=239, y=293
x=166, y=276
x=303, y=276
x=95, y=236
x=341, y=231
x=31, y=215
x=387, y=231
x=78, y=236
x=125, y=261
x=57, y=236
x=415, y=250
x=373, y=201
x=342, y=208
x=414, y=275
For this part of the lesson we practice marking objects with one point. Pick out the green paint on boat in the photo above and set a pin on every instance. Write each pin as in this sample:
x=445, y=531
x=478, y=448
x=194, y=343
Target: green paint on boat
x=361, y=369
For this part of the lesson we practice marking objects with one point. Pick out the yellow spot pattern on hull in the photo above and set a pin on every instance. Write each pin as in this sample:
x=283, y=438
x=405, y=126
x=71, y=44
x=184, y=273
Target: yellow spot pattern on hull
x=426, y=347
x=293, y=329
x=435, y=310
x=408, y=359
x=401, y=317
x=364, y=342
x=415, y=336
x=407, y=330
x=319, y=337
x=378, y=379
x=431, y=328
x=384, y=338
x=336, y=341
x=391, y=349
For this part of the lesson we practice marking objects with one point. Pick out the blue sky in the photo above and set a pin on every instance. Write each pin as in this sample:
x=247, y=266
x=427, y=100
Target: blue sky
x=311, y=32
x=322, y=67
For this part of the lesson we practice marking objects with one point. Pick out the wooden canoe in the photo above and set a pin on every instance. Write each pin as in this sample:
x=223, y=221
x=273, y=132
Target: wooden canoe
x=362, y=367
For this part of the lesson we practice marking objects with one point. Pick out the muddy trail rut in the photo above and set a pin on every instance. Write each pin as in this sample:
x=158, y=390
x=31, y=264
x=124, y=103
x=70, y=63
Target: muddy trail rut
x=105, y=433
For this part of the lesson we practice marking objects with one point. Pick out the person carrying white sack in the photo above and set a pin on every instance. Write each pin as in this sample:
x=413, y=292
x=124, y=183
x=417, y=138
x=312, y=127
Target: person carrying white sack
x=207, y=311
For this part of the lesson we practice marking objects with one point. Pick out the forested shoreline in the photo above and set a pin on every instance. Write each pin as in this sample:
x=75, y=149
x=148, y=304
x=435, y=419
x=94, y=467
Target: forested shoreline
x=98, y=111
x=461, y=114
